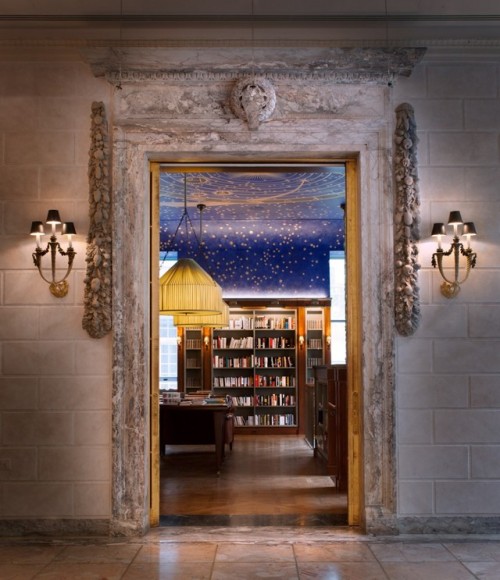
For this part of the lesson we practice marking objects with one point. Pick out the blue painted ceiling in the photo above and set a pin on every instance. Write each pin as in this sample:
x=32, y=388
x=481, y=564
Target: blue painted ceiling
x=265, y=231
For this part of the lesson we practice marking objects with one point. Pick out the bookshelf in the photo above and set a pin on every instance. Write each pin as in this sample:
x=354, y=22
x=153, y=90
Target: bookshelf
x=315, y=341
x=255, y=361
x=193, y=360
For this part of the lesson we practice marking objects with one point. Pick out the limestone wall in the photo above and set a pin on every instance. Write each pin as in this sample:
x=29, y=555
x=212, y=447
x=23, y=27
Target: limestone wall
x=447, y=374
x=55, y=381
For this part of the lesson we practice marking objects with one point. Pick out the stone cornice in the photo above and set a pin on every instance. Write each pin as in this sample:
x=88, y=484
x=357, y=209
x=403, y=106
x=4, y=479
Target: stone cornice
x=342, y=65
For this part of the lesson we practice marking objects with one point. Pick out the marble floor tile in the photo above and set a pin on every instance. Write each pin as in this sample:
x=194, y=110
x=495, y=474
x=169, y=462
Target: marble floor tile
x=82, y=571
x=176, y=552
x=20, y=571
x=35, y=555
x=254, y=553
x=122, y=553
x=254, y=570
x=333, y=552
x=341, y=571
x=411, y=552
x=484, y=570
x=475, y=550
x=165, y=570
x=427, y=571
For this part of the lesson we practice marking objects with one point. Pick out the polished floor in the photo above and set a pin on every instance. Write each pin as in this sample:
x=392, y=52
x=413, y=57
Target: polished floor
x=265, y=480
x=273, y=477
x=248, y=553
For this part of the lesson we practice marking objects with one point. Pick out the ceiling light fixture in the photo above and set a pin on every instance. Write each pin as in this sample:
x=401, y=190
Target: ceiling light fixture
x=187, y=289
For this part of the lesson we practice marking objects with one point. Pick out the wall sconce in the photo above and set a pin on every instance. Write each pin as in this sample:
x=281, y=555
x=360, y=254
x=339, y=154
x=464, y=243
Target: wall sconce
x=451, y=288
x=301, y=341
x=58, y=288
x=328, y=340
x=179, y=341
x=206, y=341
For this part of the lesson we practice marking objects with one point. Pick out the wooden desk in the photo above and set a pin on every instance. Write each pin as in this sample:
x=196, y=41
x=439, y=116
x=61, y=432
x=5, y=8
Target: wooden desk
x=195, y=425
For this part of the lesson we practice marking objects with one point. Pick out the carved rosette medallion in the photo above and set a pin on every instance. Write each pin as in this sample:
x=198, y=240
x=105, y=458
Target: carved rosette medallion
x=253, y=100
x=97, y=298
x=406, y=222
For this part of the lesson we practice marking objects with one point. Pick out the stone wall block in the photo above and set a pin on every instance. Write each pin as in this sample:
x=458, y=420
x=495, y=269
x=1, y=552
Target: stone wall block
x=31, y=428
x=465, y=80
x=466, y=426
x=433, y=462
x=432, y=391
x=74, y=464
x=414, y=426
x=466, y=497
x=416, y=497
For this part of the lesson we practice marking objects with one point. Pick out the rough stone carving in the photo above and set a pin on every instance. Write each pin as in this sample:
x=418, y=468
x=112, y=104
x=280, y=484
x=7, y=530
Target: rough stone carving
x=253, y=100
x=406, y=222
x=97, y=298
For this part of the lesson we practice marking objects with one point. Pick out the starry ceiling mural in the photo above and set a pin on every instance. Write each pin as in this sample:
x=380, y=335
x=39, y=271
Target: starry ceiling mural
x=261, y=231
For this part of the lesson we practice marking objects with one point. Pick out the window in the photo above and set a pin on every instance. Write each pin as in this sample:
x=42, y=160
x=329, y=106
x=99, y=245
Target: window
x=168, y=335
x=337, y=313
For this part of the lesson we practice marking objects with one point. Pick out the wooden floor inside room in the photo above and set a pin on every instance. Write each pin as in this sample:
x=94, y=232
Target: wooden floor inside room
x=265, y=480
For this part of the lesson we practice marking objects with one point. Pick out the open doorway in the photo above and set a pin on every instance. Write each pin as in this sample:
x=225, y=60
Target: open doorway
x=289, y=442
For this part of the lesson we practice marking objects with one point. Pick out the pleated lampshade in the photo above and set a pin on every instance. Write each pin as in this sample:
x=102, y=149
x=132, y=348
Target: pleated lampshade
x=187, y=289
x=210, y=320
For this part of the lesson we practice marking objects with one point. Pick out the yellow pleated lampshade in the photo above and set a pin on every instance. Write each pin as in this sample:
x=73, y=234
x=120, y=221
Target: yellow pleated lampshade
x=187, y=289
x=210, y=320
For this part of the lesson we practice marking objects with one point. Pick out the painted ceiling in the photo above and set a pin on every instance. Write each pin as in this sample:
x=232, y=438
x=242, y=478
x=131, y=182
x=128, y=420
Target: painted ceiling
x=262, y=231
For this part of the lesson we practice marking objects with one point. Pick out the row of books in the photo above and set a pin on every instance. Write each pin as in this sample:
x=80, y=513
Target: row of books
x=265, y=420
x=260, y=381
x=229, y=382
x=193, y=343
x=316, y=343
x=274, y=362
x=275, y=322
x=274, y=400
x=231, y=362
x=314, y=362
x=274, y=381
x=250, y=361
x=315, y=324
x=220, y=342
x=274, y=342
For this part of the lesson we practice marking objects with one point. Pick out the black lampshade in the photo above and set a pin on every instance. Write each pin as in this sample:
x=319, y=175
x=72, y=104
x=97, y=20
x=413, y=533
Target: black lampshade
x=68, y=228
x=455, y=218
x=469, y=229
x=438, y=229
x=53, y=217
x=37, y=229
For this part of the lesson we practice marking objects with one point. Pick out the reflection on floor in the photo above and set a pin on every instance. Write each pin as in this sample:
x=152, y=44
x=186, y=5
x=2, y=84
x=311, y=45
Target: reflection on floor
x=266, y=480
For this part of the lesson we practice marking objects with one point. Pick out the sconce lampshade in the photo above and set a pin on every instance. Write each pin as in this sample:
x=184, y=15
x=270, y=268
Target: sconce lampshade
x=187, y=289
x=53, y=217
x=37, y=229
x=68, y=228
x=469, y=229
x=209, y=320
x=438, y=229
x=455, y=218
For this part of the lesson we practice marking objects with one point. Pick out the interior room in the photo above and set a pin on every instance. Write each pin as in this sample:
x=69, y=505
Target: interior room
x=390, y=107
x=272, y=236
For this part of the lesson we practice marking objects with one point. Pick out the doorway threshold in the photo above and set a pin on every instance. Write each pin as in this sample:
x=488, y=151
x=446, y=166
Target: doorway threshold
x=254, y=520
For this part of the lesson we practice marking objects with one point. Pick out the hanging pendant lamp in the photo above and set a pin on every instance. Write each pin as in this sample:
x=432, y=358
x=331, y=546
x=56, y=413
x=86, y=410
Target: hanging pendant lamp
x=186, y=289
x=209, y=320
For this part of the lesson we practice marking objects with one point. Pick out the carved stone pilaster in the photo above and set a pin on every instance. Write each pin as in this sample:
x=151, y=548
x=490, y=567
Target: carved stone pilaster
x=97, y=298
x=406, y=222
